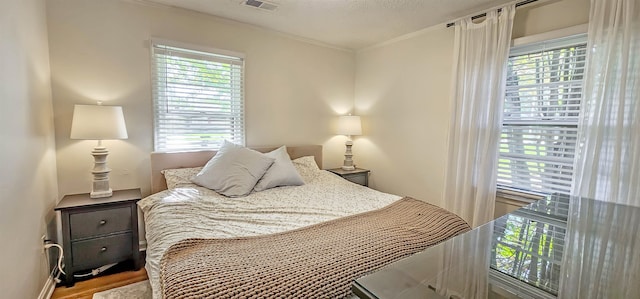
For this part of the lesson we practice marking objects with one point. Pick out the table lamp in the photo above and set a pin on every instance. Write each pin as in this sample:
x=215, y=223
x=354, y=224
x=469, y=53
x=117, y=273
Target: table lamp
x=97, y=122
x=349, y=125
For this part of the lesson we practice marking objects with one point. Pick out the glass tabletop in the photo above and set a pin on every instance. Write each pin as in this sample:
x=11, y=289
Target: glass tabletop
x=557, y=247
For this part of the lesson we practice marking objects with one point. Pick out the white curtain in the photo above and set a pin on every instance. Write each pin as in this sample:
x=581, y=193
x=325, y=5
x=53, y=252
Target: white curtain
x=608, y=162
x=601, y=257
x=480, y=61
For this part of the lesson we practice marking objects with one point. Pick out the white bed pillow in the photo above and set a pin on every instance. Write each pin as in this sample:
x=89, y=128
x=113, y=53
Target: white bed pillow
x=180, y=177
x=306, y=167
x=234, y=170
x=281, y=173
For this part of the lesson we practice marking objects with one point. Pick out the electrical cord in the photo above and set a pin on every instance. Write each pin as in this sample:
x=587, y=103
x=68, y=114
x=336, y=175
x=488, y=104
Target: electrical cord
x=60, y=255
x=83, y=275
x=57, y=278
x=95, y=271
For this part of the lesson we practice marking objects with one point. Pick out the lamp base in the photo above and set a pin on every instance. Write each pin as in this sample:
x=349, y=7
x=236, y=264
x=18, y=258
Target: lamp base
x=348, y=156
x=101, y=194
x=100, y=173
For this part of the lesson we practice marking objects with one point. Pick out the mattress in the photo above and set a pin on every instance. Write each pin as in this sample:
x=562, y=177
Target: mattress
x=195, y=212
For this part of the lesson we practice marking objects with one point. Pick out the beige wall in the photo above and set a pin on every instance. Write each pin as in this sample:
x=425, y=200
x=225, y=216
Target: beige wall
x=27, y=153
x=403, y=93
x=505, y=206
x=99, y=51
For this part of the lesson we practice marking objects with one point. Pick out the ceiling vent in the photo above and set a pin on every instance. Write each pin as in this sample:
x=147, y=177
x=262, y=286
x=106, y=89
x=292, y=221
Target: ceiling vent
x=263, y=5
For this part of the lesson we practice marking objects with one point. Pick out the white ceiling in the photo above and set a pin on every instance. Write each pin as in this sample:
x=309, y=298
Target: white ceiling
x=350, y=24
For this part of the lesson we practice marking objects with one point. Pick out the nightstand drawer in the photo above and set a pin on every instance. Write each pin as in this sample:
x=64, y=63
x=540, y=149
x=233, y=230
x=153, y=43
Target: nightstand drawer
x=101, y=222
x=98, y=252
x=360, y=179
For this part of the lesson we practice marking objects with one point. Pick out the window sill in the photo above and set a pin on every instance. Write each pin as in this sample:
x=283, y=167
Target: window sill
x=511, y=196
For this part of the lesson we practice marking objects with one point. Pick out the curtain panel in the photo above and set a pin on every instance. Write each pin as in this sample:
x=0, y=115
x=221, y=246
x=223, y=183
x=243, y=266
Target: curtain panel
x=608, y=160
x=601, y=257
x=480, y=60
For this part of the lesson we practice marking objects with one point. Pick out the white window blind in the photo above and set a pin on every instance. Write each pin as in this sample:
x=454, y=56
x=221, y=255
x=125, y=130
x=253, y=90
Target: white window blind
x=541, y=111
x=198, y=98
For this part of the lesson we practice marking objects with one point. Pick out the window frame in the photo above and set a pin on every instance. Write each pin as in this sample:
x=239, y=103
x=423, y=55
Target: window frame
x=202, y=51
x=534, y=45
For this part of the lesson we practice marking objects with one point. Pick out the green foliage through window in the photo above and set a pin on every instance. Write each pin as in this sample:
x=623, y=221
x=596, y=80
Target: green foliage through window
x=540, y=118
x=198, y=99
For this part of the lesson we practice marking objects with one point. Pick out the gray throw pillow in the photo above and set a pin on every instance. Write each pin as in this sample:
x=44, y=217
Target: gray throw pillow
x=233, y=171
x=281, y=173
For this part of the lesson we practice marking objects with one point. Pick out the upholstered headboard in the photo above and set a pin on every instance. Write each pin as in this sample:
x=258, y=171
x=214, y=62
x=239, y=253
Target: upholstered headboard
x=161, y=161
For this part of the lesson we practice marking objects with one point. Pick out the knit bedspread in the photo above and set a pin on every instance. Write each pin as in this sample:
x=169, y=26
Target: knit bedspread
x=317, y=261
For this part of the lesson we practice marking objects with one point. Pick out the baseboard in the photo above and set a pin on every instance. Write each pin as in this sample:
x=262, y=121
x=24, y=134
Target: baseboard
x=47, y=289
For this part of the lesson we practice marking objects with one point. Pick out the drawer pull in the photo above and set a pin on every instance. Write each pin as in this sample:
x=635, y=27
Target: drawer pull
x=103, y=222
x=103, y=249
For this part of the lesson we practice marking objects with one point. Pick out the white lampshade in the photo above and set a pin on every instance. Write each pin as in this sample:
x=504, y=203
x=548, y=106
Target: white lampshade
x=349, y=125
x=95, y=122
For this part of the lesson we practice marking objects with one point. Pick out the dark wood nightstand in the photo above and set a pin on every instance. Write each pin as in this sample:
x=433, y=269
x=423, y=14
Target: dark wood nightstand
x=99, y=231
x=359, y=176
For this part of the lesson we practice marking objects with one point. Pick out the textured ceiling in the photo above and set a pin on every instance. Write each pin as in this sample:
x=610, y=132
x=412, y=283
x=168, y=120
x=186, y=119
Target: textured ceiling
x=350, y=24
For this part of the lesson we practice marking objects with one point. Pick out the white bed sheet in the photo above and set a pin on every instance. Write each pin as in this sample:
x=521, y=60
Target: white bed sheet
x=174, y=215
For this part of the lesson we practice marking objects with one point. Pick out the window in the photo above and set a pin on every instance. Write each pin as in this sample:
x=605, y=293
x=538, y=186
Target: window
x=541, y=111
x=198, y=97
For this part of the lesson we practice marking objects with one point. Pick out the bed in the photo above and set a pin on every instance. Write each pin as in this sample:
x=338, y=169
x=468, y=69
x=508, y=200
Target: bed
x=186, y=223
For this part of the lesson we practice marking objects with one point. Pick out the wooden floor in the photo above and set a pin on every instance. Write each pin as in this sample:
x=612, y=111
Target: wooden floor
x=85, y=289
